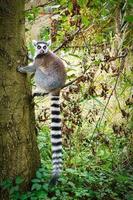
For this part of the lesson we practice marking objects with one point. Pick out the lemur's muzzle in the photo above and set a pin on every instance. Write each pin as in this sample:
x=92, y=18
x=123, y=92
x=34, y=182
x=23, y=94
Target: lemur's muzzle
x=41, y=51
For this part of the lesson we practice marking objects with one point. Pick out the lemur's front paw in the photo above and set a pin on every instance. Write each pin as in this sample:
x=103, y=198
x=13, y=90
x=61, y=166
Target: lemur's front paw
x=20, y=69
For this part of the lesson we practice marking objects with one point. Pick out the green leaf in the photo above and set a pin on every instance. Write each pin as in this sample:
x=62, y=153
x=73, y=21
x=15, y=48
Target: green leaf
x=130, y=2
x=35, y=180
x=70, y=6
x=38, y=174
x=15, y=196
x=45, y=187
x=36, y=186
x=41, y=195
x=71, y=184
x=25, y=196
x=63, y=2
x=19, y=180
x=14, y=189
x=85, y=20
x=129, y=18
x=6, y=184
x=82, y=3
x=31, y=48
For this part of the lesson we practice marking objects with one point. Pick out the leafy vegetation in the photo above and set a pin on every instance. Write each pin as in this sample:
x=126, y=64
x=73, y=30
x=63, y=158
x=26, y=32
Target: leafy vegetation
x=96, y=107
x=76, y=183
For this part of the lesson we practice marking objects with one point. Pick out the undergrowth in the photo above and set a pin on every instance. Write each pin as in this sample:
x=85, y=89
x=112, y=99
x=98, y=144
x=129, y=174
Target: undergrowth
x=84, y=177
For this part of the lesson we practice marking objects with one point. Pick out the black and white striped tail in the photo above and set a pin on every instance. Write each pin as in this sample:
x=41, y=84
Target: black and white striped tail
x=56, y=138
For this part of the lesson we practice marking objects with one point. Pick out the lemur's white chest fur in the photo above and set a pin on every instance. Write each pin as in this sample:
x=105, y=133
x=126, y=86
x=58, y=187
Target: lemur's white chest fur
x=47, y=78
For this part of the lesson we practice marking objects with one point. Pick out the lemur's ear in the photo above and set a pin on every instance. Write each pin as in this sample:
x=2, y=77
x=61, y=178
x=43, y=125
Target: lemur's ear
x=34, y=42
x=49, y=42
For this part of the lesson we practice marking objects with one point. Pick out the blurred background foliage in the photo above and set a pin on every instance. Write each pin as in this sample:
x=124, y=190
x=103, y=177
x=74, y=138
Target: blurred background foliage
x=94, y=39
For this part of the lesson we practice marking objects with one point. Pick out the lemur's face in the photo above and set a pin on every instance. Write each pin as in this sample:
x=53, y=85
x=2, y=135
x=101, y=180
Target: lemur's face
x=41, y=47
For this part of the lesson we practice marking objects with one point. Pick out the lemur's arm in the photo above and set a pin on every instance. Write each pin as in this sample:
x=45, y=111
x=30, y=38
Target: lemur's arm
x=31, y=68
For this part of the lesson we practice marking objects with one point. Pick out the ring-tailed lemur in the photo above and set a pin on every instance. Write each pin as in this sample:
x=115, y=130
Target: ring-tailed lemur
x=50, y=77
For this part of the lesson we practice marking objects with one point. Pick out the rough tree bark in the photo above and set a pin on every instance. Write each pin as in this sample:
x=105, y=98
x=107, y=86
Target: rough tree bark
x=19, y=154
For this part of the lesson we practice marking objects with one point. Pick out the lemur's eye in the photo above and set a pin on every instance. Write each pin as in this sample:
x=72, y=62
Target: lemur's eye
x=38, y=47
x=44, y=47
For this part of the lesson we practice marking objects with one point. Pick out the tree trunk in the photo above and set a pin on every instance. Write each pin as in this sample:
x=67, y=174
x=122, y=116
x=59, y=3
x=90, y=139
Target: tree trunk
x=19, y=155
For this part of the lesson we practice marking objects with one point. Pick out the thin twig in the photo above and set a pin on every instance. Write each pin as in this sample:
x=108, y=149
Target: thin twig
x=73, y=81
x=113, y=58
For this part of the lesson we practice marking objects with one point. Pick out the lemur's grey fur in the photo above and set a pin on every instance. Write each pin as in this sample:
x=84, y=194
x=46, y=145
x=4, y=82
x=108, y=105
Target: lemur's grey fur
x=50, y=77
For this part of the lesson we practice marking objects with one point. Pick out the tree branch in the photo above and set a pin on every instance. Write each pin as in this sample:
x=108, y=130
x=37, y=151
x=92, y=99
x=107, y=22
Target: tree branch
x=113, y=58
x=68, y=39
x=73, y=81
